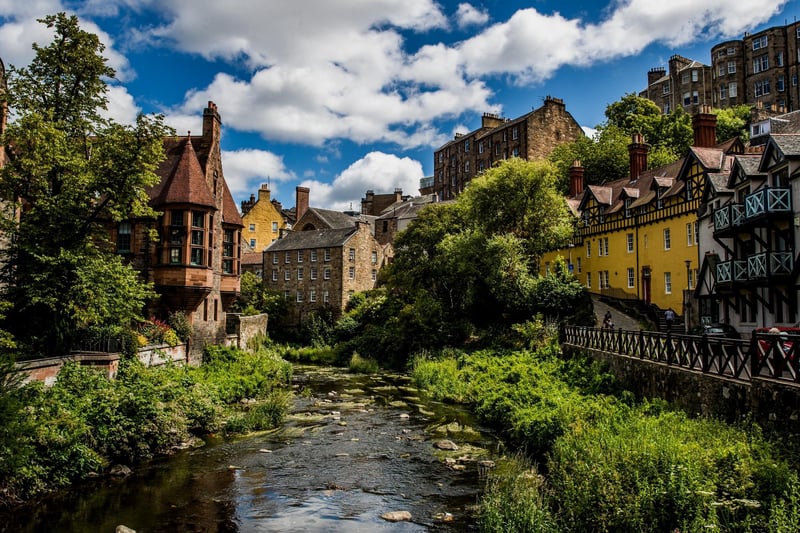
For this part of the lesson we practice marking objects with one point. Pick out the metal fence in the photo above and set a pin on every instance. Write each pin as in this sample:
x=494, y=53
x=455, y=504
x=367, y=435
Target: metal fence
x=765, y=355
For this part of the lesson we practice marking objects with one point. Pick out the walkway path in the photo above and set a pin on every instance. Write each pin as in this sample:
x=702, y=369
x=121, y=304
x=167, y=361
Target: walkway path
x=620, y=319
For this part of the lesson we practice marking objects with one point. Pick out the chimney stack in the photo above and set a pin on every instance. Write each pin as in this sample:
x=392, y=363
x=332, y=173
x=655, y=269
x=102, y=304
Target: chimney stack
x=704, y=124
x=637, y=151
x=575, y=179
x=263, y=192
x=301, y=201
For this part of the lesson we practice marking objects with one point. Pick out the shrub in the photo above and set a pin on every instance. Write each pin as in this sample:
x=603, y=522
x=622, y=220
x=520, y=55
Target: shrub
x=180, y=325
x=362, y=365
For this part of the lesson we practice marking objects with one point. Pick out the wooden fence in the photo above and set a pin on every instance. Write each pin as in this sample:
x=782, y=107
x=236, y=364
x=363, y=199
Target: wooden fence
x=764, y=356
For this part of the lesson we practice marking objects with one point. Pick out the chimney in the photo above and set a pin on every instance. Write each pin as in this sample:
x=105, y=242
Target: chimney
x=211, y=123
x=398, y=194
x=301, y=201
x=704, y=124
x=637, y=151
x=263, y=192
x=575, y=179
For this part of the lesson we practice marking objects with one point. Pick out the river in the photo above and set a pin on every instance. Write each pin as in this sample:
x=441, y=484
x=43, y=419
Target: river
x=353, y=448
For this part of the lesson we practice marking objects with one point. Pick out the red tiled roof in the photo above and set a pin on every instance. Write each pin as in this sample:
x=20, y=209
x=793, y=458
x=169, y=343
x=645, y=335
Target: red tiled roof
x=182, y=178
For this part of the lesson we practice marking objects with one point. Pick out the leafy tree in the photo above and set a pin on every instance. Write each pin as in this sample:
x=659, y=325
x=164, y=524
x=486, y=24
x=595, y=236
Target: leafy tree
x=72, y=174
x=732, y=122
x=603, y=157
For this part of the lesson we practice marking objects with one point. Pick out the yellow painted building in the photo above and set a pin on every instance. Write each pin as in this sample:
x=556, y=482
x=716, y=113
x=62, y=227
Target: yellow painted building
x=262, y=219
x=637, y=238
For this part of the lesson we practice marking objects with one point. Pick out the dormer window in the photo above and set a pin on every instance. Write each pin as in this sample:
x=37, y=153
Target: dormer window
x=628, y=211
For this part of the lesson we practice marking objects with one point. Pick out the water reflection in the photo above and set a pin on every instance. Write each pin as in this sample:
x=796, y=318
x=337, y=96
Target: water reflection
x=354, y=448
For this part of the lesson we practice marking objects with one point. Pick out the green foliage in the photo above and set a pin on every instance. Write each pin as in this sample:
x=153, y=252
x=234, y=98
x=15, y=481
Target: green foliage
x=75, y=172
x=611, y=465
x=362, y=365
x=255, y=297
x=53, y=437
x=603, y=157
x=516, y=499
x=179, y=323
x=732, y=122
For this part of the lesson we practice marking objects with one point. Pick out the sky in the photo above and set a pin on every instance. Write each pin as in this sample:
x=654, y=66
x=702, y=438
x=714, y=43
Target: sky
x=343, y=96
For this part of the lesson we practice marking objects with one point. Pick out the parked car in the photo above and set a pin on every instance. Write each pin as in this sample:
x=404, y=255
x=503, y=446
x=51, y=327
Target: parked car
x=787, y=334
x=716, y=330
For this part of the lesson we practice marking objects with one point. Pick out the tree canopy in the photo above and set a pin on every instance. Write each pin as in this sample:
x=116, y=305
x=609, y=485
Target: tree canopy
x=71, y=175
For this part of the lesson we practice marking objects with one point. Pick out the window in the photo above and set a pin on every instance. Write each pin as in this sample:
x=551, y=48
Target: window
x=732, y=91
x=666, y=108
x=252, y=227
x=588, y=280
x=695, y=97
x=602, y=279
x=480, y=147
x=313, y=273
x=629, y=238
x=274, y=227
x=731, y=67
x=696, y=234
x=721, y=69
x=690, y=235
x=299, y=296
x=275, y=258
x=794, y=80
x=227, y=252
x=374, y=275
x=515, y=152
x=352, y=272
x=694, y=75
x=665, y=88
x=667, y=283
x=780, y=86
x=176, y=237
x=350, y=294
x=312, y=295
x=327, y=254
x=326, y=273
x=723, y=92
x=685, y=78
x=760, y=64
x=124, y=238
x=666, y=239
x=274, y=274
x=286, y=295
x=352, y=254
x=325, y=298
x=515, y=133
x=731, y=51
x=760, y=42
x=466, y=167
x=497, y=149
x=779, y=59
x=300, y=274
x=287, y=258
x=631, y=278
x=687, y=98
x=762, y=88
x=299, y=256
x=466, y=145
x=287, y=275
x=589, y=249
x=602, y=246
x=313, y=254
x=374, y=257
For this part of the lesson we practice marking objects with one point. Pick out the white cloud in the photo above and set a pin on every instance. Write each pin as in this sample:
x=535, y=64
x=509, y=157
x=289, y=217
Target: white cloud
x=121, y=106
x=468, y=15
x=377, y=171
x=245, y=171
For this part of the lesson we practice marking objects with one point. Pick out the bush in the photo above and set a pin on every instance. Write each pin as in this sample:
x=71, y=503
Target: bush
x=362, y=365
x=180, y=325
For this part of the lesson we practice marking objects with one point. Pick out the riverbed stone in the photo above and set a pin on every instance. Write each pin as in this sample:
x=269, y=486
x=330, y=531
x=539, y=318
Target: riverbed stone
x=396, y=516
x=445, y=444
x=120, y=470
x=124, y=529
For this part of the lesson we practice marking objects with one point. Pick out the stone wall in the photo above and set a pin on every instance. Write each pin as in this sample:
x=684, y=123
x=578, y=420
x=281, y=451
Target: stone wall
x=241, y=329
x=774, y=406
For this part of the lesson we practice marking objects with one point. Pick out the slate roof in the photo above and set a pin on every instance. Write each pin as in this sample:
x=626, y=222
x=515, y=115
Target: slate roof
x=788, y=143
x=334, y=219
x=320, y=238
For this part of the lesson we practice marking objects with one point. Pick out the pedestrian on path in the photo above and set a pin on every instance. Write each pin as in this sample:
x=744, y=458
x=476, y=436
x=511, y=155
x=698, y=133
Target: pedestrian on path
x=669, y=316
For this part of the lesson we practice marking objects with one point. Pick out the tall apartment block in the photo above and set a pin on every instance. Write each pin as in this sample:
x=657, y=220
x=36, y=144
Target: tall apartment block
x=531, y=136
x=685, y=85
x=759, y=69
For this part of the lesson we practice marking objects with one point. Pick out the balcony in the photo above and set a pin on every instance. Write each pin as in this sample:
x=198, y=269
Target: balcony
x=759, y=269
x=768, y=203
x=727, y=219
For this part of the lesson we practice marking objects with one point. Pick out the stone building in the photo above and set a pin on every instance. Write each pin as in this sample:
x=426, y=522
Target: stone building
x=195, y=263
x=263, y=220
x=759, y=68
x=531, y=136
x=374, y=204
x=319, y=268
x=686, y=84
x=396, y=217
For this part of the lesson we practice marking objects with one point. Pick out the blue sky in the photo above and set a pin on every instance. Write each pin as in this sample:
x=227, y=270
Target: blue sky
x=347, y=95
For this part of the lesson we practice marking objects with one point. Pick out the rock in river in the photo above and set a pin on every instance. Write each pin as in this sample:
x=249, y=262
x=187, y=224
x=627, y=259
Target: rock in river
x=445, y=445
x=396, y=516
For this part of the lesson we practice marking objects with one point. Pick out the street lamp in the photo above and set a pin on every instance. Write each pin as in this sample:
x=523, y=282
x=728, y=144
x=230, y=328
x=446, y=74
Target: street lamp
x=686, y=301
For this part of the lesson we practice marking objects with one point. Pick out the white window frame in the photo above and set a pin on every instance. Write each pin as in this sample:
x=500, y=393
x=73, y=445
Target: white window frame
x=588, y=280
x=631, y=278
x=313, y=254
x=351, y=272
x=287, y=275
x=312, y=295
x=629, y=243
x=326, y=273
x=274, y=274
x=313, y=273
x=300, y=274
x=667, y=239
x=667, y=282
x=299, y=297
x=299, y=256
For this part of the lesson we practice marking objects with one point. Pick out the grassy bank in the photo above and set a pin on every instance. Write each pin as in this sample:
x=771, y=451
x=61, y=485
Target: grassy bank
x=605, y=462
x=53, y=437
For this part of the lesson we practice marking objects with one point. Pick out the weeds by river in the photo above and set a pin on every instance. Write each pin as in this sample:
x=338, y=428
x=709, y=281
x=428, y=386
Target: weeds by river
x=595, y=460
x=85, y=423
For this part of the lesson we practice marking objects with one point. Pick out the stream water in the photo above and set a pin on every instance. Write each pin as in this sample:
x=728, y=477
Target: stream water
x=353, y=448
